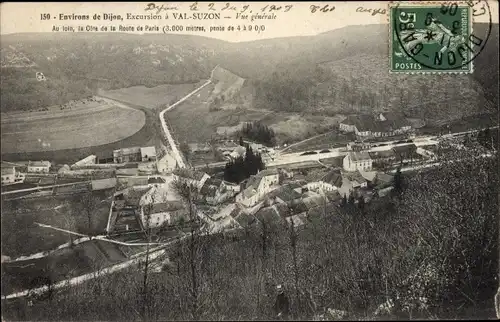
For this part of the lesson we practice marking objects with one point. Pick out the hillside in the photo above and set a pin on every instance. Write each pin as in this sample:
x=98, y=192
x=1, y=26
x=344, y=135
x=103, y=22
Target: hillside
x=340, y=71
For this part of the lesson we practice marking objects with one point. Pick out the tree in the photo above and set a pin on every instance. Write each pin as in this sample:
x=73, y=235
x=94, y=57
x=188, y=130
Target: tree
x=343, y=203
x=242, y=143
x=361, y=203
x=398, y=182
x=351, y=201
x=90, y=204
x=186, y=151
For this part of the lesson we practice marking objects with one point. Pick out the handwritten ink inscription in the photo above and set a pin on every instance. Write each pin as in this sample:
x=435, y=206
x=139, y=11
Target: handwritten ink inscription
x=372, y=11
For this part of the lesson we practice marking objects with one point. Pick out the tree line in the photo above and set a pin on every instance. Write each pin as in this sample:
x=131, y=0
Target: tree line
x=258, y=132
x=242, y=168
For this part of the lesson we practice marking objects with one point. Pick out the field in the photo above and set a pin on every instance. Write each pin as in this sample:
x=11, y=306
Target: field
x=84, y=126
x=22, y=236
x=151, y=97
x=65, y=263
x=332, y=139
x=193, y=122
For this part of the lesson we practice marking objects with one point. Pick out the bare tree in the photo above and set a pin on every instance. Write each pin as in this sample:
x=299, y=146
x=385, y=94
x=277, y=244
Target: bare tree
x=90, y=204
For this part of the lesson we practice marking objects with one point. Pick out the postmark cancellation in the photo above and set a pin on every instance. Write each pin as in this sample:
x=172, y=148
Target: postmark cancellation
x=435, y=37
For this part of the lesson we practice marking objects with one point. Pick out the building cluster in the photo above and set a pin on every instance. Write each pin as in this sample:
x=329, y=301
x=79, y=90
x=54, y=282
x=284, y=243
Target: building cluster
x=381, y=125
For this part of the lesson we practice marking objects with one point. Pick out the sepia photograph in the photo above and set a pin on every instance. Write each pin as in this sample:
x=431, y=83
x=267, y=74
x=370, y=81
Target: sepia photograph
x=184, y=161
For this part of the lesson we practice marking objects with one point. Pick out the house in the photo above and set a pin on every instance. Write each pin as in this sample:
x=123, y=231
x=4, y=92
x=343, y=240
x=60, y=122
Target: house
x=227, y=147
x=233, y=187
x=39, y=166
x=148, y=154
x=258, y=186
x=352, y=181
x=383, y=156
x=383, y=180
x=357, y=160
x=355, y=179
x=8, y=175
x=329, y=182
x=238, y=152
x=191, y=177
x=164, y=213
x=199, y=147
x=381, y=125
x=91, y=159
x=127, y=155
x=104, y=157
x=284, y=194
x=215, y=192
x=166, y=164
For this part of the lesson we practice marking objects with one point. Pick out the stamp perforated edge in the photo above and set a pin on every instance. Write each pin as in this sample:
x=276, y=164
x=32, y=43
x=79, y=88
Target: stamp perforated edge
x=391, y=4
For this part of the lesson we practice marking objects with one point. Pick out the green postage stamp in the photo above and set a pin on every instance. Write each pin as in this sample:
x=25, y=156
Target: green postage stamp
x=435, y=37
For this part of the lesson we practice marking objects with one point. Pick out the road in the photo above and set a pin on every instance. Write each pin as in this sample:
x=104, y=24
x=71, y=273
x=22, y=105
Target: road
x=45, y=187
x=175, y=151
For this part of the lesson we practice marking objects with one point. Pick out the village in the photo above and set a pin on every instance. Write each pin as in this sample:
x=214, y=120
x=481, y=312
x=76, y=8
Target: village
x=144, y=182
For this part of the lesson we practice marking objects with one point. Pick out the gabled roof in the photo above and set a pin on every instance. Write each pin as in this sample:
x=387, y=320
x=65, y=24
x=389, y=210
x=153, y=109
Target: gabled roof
x=366, y=122
x=254, y=181
x=39, y=163
x=149, y=151
x=249, y=192
x=333, y=177
x=208, y=190
x=285, y=193
x=359, y=156
x=354, y=176
x=8, y=171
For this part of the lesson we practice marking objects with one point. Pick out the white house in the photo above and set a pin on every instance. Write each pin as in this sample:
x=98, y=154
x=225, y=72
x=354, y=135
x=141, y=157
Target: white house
x=215, y=191
x=357, y=160
x=330, y=182
x=164, y=213
x=148, y=154
x=39, y=166
x=166, y=164
x=8, y=175
x=257, y=187
x=383, y=124
x=191, y=177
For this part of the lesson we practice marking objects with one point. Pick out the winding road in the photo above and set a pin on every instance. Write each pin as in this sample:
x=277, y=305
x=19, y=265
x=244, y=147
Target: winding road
x=175, y=151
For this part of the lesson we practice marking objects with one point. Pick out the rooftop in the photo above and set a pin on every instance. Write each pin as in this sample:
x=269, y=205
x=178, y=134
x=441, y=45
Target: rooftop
x=131, y=150
x=334, y=177
x=149, y=151
x=359, y=156
x=39, y=164
x=285, y=193
x=354, y=176
x=7, y=170
x=190, y=174
x=366, y=122
x=254, y=180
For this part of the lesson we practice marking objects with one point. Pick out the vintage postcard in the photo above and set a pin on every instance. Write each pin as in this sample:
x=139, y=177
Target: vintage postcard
x=324, y=160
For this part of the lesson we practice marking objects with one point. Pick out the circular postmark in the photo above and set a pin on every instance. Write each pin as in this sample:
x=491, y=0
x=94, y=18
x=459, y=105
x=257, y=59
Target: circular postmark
x=439, y=36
